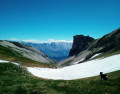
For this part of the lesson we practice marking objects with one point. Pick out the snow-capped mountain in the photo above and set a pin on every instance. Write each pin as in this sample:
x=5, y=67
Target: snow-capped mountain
x=54, y=50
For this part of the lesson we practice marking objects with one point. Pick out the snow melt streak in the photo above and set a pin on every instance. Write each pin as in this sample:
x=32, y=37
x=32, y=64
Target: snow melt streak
x=1, y=61
x=83, y=70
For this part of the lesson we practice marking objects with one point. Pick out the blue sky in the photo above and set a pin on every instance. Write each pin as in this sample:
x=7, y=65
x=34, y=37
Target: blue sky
x=57, y=19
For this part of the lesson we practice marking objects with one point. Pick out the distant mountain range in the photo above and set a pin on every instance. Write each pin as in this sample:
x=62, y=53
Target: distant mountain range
x=86, y=48
x=54, y=50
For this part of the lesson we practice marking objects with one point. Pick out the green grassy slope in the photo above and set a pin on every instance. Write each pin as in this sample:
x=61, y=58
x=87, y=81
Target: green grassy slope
x=7, y=54
x=66, y=63
x=110, y=53
x=15, y=80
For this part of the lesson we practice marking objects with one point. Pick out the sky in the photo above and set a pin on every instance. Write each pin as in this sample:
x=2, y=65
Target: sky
x=44, y=20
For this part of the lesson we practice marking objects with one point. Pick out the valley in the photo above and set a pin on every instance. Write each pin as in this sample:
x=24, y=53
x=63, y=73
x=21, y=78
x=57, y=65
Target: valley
x=27, y=70
x=59, y=46
x=54, y=50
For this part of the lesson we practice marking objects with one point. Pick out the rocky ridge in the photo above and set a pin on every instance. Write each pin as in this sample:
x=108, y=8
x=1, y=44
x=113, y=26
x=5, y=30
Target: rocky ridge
x=15, y=51
x=83, y=49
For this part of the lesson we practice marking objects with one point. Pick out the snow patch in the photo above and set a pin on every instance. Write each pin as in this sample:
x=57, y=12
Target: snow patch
x=15, y=63
x=82, y=70
x=95, y=55
x=3, y=61
x=79, y=61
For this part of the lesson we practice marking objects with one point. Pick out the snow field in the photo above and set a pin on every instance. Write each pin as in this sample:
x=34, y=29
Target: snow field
x=83, y=70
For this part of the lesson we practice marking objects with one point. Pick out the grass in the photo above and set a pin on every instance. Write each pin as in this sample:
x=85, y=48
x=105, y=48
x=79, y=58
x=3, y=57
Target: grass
x=8, y=54
x=110, y=53
x=16, y=80
x=66, y=63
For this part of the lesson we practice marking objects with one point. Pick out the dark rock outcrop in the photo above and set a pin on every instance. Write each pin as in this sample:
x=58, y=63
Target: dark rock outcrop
x=79, y=44
x=18, y=44
x=85, y=47
x=102, y=45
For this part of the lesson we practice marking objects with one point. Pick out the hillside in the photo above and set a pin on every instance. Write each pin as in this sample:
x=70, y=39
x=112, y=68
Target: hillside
x=108, y=45
x=14, y=79
x=23, y=54
x=54, y=50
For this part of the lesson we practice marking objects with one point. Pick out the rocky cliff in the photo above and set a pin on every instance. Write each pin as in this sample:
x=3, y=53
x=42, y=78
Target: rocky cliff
x=79, y=44
x=87, y=48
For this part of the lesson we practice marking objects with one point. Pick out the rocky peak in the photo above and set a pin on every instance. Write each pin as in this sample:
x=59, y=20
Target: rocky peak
x=79, y=44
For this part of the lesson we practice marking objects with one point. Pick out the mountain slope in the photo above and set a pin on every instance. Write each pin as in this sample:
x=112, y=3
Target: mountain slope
x=16, y=52
x=106, y=46
x=54, y=50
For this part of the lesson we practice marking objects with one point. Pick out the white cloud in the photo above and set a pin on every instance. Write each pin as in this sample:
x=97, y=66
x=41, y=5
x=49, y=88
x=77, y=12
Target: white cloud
x=36, y=41
x=52, y=40
x=14, y=39
x=32, y=40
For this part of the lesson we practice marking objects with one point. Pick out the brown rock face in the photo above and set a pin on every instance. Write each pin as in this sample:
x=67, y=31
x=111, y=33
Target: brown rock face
x=79, y=44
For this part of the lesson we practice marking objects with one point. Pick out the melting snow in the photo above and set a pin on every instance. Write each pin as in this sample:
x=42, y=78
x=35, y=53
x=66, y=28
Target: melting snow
x=79, y=61
x=95, y=55
x=83, y=70
x=1, y=61
x=4, y=61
